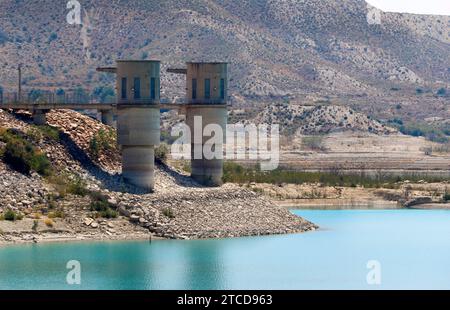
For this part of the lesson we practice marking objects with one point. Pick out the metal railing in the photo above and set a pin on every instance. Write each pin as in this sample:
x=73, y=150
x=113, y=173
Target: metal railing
x=76, y=97
x=57, y=97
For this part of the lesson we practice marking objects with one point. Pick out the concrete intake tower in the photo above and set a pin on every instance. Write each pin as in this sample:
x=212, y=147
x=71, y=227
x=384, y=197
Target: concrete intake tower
x=206, y=98
x=138, y=119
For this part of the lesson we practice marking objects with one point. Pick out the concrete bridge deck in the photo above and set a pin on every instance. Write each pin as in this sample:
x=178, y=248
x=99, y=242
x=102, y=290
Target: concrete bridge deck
x=107, y=110
x=82, y=106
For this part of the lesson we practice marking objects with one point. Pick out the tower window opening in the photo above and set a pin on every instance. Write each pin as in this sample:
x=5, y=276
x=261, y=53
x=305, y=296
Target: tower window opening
x=222, y=89
x=194, y=89
x=124, y=88
x=153, y=88
x=137, y=88
x=207, y=88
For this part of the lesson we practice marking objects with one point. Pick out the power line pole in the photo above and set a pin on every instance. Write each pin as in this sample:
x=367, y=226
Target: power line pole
x=19, y=68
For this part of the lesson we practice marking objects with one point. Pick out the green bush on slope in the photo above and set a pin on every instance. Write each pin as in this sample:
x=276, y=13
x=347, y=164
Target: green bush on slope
x=21, y=155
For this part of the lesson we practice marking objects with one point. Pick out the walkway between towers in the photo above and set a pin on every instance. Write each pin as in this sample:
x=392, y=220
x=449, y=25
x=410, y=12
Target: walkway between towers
x=107, y=110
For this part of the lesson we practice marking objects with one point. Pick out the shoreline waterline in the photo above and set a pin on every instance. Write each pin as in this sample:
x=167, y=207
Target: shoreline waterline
x=295, y=209
x=327, y=205
x=76, y=240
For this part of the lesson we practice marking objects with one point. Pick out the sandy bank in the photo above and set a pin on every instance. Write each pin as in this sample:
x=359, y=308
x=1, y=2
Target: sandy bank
x=338, y=204
x=432, y=206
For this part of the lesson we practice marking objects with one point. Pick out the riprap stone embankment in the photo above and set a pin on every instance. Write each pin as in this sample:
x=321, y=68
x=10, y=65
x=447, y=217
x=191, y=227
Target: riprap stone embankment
x=178, y=209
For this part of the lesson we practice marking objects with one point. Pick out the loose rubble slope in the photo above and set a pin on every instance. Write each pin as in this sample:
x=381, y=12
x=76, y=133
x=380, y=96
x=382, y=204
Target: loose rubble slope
x=179, y=208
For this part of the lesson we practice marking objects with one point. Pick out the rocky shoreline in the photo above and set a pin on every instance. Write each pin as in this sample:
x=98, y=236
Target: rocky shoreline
x=403, y=195
x=178, y=209
x=338, y=204
x=225, y=213
x=200, y=214
x=24, y=238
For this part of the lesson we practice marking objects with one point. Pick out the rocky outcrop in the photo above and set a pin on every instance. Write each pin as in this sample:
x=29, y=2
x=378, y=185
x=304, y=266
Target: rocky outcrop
x=82, y=130
x=417, y=201
x=20, y=192
x=318, y=120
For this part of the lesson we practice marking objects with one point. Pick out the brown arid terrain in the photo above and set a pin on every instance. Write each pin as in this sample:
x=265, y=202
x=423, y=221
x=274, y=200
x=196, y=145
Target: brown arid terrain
x=320, y=119
x=360, y=152
x=344, y=92
x=316, y=196
x=306, y=52
x=47, y=209
x=363, y=152
x=334, y=138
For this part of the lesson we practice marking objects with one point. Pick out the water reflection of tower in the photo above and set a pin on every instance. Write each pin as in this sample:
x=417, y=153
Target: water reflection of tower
x=205, y=263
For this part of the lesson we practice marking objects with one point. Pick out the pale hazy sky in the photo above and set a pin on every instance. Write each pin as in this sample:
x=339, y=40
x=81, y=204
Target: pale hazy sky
x=435, y=7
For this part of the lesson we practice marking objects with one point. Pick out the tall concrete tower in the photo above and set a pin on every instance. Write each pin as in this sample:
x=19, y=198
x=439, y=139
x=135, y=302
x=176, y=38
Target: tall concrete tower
x=138, y=123
x=207, y=98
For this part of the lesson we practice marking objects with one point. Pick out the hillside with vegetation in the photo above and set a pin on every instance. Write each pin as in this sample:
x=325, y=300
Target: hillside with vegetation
x=301, y=51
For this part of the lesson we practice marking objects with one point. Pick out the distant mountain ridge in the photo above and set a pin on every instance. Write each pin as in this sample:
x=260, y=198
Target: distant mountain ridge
x=276, y=48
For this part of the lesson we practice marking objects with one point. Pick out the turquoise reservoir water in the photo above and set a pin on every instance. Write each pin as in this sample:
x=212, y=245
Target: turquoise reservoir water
x=412, y=248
